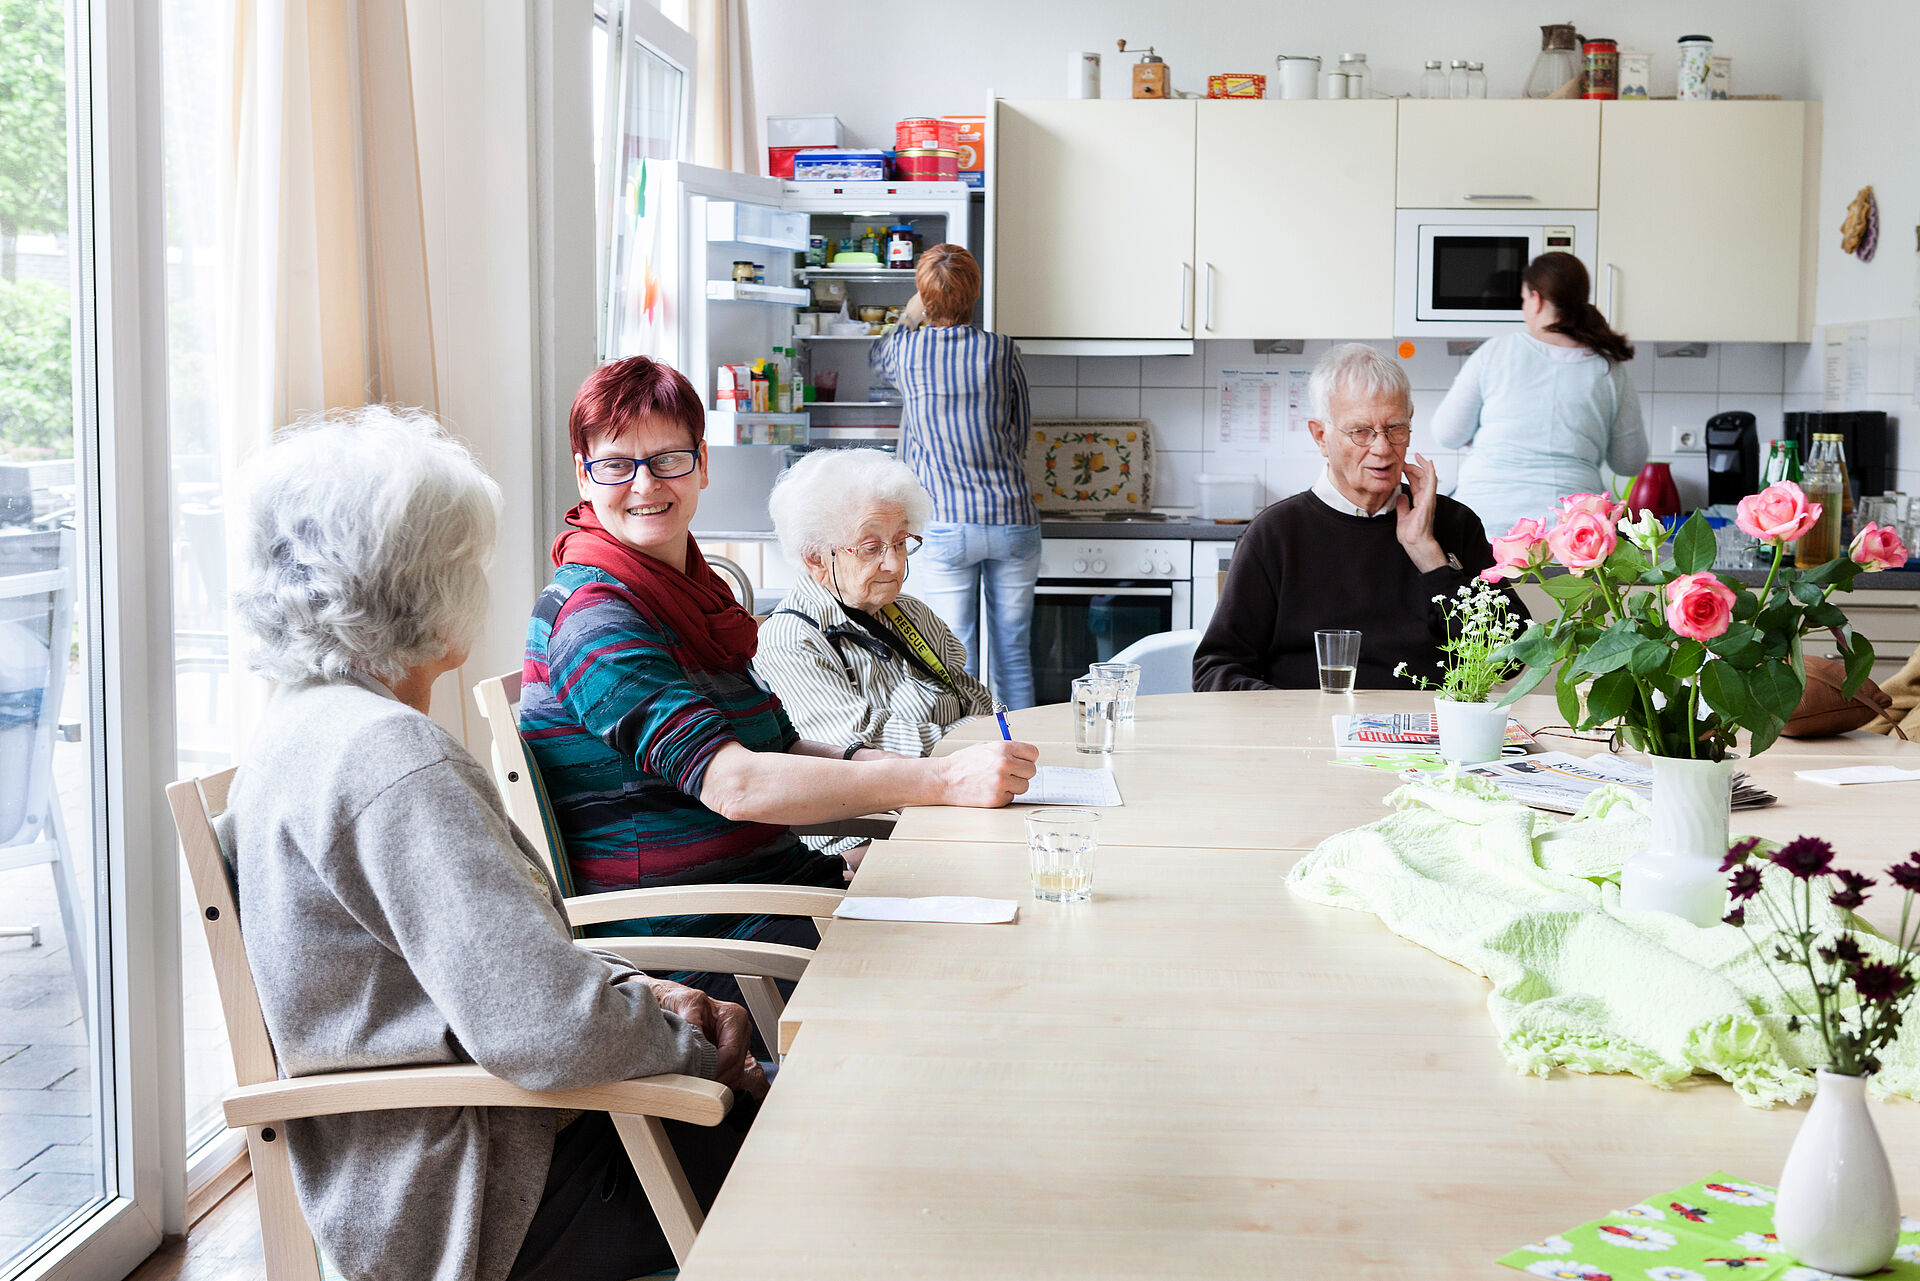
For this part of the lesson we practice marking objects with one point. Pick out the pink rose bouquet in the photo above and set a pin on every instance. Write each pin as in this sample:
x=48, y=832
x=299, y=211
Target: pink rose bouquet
x=1876, y=547
x=1680, y=659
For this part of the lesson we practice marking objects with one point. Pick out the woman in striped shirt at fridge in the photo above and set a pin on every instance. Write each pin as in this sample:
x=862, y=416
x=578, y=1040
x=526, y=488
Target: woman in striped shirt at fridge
x=964, y=423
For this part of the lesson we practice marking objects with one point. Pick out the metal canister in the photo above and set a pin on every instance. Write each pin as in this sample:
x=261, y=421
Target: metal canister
x=1602, y=57
x=1696, y=64
x=1299, y=76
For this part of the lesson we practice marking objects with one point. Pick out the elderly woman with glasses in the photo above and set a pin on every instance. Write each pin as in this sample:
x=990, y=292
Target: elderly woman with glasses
x=852, y=659
x=665, y=759
x=395, y=917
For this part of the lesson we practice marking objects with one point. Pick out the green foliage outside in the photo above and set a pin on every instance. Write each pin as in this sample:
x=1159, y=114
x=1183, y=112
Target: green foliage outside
x=36, y=370
x=36, y=327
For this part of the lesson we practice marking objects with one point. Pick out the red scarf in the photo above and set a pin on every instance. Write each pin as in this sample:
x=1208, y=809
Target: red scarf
x=697, y=607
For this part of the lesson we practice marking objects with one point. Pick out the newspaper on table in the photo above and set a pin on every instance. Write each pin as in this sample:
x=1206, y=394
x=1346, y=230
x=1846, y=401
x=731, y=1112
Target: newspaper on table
x=1561, y=782
x=1412, y=732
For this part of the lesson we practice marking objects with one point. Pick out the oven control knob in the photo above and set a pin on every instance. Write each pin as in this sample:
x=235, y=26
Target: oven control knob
x=1146, y=566
x=1166, y=567
x=1079, y=567
x=1099, y=567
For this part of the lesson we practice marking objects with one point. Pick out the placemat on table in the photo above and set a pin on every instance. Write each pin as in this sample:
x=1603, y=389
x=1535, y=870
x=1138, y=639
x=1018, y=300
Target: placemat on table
x=1721, y=1226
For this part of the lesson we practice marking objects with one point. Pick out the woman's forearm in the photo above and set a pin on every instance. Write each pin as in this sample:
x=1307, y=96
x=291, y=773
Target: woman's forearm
x=797, y=787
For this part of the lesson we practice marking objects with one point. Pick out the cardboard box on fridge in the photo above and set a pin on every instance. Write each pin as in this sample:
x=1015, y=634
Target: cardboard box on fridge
x=973, y=149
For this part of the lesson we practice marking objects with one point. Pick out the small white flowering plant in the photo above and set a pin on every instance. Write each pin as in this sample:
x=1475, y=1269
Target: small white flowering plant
x=1479, y=623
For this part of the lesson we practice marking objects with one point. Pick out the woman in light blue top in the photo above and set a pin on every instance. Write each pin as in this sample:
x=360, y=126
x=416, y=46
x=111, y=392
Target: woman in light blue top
x=1543, y=409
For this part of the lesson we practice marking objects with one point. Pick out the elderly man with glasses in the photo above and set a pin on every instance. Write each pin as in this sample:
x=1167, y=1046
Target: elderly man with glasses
x=1369, y=547
x=853, y=660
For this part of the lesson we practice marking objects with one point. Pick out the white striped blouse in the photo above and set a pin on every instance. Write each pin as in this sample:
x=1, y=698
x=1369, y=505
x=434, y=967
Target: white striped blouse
x=964, y=420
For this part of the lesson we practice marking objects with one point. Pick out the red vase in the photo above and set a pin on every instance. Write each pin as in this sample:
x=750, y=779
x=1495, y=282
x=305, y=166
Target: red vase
x=1654, y=491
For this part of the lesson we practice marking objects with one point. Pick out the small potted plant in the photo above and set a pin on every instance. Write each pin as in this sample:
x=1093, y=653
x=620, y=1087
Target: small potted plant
x=1479, y=625
x=1837, y=1207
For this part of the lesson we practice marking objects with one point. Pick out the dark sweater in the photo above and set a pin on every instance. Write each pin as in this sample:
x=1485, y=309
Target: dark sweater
x=1302, y=566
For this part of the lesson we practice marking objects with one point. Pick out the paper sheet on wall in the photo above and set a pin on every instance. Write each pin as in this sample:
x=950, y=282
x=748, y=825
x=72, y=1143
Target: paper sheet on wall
x=1252, y=407
x=1064, y=785
x=1857, y=349
x=1833, y=388
x=1299, y=439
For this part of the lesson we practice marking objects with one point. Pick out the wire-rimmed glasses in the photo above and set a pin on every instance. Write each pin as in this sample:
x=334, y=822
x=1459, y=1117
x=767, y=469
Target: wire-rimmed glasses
x=873, y=550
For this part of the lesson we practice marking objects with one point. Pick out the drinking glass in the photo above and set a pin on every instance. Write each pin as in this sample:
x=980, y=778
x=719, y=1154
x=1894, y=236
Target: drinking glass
x=1338, y=652
x=1095, y=700
x=1060, y=848
x=1127, y=677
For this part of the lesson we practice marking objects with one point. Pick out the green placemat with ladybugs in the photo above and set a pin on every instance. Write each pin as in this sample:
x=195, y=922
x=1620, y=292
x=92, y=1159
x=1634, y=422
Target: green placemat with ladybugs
x=1718, y=1227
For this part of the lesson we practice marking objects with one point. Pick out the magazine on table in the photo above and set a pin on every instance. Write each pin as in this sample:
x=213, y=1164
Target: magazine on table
x=1378, y=733
x=1561, y=782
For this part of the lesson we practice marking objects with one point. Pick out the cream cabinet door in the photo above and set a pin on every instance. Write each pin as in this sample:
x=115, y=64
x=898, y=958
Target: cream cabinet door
x=1480, y=154
x=1701, y=220
x=1093, y=219
x=1294, y=219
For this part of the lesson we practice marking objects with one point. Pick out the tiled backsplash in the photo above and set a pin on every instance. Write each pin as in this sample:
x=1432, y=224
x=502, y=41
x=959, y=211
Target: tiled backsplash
x=1179, y=396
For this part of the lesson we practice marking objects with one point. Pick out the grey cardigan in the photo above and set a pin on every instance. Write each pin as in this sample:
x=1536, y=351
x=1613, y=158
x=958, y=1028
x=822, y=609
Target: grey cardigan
x=394, y=916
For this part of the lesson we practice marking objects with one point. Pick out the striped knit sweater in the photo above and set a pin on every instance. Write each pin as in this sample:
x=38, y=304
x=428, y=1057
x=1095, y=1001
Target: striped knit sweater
x=622, y=726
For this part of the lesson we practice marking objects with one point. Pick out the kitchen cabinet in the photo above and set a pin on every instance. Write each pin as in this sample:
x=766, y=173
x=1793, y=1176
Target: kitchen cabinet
x=1093, y=219
x=1703, y=210
x=1888, y=618
x=1294, y=219
x=1480, y=154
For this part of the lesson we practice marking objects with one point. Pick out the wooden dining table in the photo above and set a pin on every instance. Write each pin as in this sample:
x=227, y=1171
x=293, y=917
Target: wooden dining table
x=1196, y=1074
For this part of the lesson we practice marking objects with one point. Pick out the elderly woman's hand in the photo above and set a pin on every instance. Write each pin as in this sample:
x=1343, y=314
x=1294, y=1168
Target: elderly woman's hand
x=725, y=1024
x=989, y=775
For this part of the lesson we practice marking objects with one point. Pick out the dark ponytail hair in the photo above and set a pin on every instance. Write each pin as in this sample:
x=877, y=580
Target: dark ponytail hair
x=1561, y=279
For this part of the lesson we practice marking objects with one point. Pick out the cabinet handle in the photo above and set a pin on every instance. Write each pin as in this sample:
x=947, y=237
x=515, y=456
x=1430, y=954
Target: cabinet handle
x=1209, y=321
x=1613, y=316
x=1472, y=197
x=1186, y=296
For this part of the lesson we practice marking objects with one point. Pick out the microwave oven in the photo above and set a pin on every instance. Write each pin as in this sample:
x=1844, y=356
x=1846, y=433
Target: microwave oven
x=1457, y=271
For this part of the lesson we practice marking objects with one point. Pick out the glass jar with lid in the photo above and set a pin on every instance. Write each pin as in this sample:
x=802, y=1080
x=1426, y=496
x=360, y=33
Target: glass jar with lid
x=1433, y=81
x=1457, y=78
x=1359, y=80
x=1476, y=80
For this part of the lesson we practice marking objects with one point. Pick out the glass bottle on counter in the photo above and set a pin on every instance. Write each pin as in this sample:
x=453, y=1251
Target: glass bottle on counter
x=1783, y=463
x=1457, y=78
x=1476, y=80
x=1821, y=480
x=1846, y=490
x=1433, y=81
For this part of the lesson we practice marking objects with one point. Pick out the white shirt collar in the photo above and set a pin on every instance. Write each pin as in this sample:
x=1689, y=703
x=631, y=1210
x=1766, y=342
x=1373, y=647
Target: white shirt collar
x=1325, y=490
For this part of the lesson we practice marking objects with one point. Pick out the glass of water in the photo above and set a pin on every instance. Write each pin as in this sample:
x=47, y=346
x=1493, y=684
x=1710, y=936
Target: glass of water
x=1060, y=848
x=1095, y=701
x=1338, y=652
x=1127, y=676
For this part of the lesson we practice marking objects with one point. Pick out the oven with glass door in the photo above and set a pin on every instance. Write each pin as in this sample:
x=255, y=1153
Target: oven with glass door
x=1099, y=595
x=1457, y=271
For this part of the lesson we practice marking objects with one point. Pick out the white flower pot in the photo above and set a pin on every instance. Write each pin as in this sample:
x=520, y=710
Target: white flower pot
x=1838, y=1210
x=1470, y=733
x=1679, y=872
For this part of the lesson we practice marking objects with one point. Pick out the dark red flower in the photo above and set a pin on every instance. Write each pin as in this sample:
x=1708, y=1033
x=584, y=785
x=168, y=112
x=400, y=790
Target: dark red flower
x=1853, y=889
x=1738, y=852
x=1878, y=981
x=1745, y=881
x=1907, y=875
x=1846, y=948
x=1738, y=916
x=1805, y=856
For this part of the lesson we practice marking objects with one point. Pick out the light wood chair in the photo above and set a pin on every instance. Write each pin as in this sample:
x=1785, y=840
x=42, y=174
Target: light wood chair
x=755, y=966
x=261, y=1102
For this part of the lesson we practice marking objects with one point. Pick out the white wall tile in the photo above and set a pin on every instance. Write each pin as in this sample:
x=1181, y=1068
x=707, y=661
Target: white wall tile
x=1426, y=403
x=1883, y=359
x=1109, y=402
x=1752, y=367
x=1800, y=402
x=1109, y=371
x=1665, y=410
x=1288, y=476
x=1766, y=411
x=1054, y=402
x=1050, y=371
x=1806, y=372
x=1640, y=368
x=1173, y=371
x=1176, y=414
x=1687, y=373
x=1173, y=473
x=1430, y=367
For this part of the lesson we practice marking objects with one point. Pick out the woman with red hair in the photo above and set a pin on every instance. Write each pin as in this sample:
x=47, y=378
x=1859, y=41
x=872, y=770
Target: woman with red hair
x=665, y=760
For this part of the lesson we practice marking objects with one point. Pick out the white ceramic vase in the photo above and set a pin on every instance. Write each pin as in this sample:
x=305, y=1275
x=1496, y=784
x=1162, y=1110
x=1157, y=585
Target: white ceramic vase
x=1679, y=871
x=1470, y=733
x=1837, y=1208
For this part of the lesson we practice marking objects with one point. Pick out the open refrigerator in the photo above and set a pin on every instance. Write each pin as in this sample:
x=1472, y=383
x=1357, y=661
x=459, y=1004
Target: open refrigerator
x=678, y=229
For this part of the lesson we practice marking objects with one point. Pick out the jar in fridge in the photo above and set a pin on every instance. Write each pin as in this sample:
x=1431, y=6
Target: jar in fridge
x=743, y=271
x=902, y=246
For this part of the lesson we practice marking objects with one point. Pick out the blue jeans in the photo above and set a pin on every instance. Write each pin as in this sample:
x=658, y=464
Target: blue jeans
x=947, y=574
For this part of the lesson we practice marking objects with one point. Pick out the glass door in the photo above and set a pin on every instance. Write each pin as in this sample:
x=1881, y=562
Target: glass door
x=1078, y=624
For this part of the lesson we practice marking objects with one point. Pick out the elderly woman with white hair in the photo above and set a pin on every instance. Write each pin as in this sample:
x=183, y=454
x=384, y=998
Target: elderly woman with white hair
x=853, y=660
x=394, y=916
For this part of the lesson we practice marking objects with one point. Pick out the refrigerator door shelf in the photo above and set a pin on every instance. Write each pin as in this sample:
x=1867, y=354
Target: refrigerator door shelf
x=736, y=223
x=725, y=427
x=736, y=291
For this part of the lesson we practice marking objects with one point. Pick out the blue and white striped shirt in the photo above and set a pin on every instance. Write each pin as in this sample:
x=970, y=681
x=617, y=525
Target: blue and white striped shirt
x=964, y=421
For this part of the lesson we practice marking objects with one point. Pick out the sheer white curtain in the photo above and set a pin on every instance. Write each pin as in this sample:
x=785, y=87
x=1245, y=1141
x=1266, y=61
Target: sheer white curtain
x=726, y=131
x=323, y=257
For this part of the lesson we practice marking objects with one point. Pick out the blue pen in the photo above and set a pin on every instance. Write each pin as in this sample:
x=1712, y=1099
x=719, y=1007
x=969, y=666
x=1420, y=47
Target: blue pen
x=1005, y=733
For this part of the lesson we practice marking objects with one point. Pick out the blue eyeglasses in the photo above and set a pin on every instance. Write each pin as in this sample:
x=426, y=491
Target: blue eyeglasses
x=669, y=464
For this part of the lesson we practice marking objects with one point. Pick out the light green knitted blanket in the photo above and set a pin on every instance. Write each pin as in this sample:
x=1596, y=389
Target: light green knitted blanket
x=1531, y=902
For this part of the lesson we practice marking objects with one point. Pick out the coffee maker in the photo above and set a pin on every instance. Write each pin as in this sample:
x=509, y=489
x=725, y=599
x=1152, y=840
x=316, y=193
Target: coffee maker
x=1733, y=456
